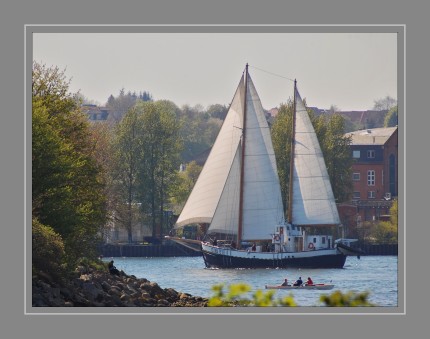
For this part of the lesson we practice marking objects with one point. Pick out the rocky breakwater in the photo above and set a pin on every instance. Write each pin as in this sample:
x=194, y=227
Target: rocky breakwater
x=102, y=289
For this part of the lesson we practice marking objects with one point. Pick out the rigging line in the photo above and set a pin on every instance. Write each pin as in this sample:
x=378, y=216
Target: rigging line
x=280, y=76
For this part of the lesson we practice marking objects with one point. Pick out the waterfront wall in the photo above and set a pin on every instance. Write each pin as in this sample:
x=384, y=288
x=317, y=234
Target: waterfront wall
x=161, y=250
x=379, y=249
x=175, y=250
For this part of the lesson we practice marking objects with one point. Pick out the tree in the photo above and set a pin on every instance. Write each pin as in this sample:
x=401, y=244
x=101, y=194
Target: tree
x=281, y=136
x=217, y=111
x=186, y=182
x=128, y=154
x=391, y=119
x=384, y=232
x=385, y=103
x=123, y=102
x=47, y=250
x=161, y=148
x=199, y=131
x=67, y=184
x=337, y=154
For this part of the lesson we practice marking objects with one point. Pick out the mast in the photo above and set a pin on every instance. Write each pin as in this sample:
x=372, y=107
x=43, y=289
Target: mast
x=242, y=162
x=293, y=133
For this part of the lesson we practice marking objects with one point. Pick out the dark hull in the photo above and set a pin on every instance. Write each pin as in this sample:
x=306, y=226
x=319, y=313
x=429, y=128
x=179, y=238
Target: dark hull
x=322, y=261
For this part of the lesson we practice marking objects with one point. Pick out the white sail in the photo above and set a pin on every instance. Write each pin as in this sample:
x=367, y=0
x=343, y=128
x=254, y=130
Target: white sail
x=313, y=201
x=215, y=197
x=263, y=208
x=205, y=196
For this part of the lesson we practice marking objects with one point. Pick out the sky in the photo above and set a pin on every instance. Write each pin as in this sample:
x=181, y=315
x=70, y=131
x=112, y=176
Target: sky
x=347, y=70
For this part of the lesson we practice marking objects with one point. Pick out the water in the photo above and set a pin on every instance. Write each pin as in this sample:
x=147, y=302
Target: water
x=374, y=274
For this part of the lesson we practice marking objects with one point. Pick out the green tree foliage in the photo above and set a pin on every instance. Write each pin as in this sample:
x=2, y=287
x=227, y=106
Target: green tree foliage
x=386, y=232
x=384, y=103
x=238, y=295
x=67, y=183
x=281, y=137
x=128, y=156
x=186, y=181
x=337, y=154
x=47, y=250
x=120, y=104
x=159, y=167
x=391, y=119
x=199, y=131
x=217, y=111
x=349, y=299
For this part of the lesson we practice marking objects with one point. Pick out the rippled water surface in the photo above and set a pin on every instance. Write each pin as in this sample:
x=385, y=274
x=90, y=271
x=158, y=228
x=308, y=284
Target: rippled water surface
x=375, y=274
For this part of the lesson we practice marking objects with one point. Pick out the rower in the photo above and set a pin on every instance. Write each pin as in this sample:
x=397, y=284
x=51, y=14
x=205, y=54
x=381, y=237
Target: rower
x=309, y=282
x=285, y=283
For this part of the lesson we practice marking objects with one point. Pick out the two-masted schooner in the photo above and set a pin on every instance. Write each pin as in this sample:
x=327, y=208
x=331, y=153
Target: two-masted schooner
x=239, y=195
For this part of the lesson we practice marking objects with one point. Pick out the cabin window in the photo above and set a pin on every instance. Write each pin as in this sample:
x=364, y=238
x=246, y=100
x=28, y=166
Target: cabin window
x=356, y=195
x=356, y=154
x=371, y=194
x=323, y=240
x=371, y=178
x=371, y=154
x=315, y=240
x=356, y=176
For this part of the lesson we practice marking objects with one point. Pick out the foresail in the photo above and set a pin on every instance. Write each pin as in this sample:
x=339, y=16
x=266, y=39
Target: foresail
x=313, y=201
x=203, y=200
x=226, y=216
x=263, y=208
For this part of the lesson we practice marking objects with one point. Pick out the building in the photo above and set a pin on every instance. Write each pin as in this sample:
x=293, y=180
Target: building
x=374, y=175
x=375, y=154
x=95, y=113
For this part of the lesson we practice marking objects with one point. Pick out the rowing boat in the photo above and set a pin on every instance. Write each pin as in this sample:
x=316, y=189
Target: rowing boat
x=303, y=287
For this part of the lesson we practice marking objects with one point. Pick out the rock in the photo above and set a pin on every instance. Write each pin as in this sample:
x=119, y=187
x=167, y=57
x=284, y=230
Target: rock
x=163, y=302
x=106, y=287
x=101, y=289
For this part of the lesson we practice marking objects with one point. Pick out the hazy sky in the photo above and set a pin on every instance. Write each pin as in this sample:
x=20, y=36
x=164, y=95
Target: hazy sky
x=348, y=70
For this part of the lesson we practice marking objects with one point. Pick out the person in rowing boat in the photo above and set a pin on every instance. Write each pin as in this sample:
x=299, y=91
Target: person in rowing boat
x=299, y=282
x=285, y=283
x=309, y=282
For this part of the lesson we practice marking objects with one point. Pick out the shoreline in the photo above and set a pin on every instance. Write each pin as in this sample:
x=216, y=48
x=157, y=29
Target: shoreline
x=102, y=289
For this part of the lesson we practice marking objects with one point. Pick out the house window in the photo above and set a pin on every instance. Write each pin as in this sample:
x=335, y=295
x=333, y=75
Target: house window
x=371, y=194
x=356, y=176
x=356, y=154
x=371, y=154
x=371, y=178
x=356, y=195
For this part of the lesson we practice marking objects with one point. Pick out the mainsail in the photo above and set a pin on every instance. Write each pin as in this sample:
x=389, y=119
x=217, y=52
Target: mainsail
x=312, y=198
x=216, y=194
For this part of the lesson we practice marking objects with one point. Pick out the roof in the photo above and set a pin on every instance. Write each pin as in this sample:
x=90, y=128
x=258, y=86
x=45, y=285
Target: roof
x=374, y=136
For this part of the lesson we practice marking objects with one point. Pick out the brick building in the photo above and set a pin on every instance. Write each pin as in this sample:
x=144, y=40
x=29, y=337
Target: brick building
x=375, y=154
x=374, y=175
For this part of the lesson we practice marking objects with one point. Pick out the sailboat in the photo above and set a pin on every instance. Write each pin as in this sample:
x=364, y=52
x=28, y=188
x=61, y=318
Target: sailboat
x=238, y=194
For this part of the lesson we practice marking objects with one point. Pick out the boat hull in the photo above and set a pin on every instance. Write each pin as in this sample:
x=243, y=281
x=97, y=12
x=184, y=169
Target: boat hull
x=304, y=287
x=216, y=257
